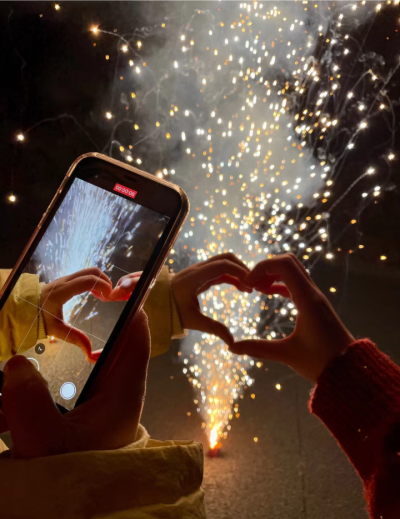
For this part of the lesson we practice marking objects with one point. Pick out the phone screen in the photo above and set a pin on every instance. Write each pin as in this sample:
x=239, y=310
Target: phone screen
x=92, y=227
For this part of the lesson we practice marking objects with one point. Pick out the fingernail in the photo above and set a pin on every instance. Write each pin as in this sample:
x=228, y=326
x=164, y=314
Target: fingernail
x=128, y=283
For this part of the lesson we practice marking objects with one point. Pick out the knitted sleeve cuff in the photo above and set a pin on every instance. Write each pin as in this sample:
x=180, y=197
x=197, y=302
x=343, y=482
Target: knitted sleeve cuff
x=357, y=397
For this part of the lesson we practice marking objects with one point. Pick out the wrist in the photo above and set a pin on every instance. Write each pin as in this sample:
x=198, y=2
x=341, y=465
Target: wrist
x=178, y=329
x=338, y=349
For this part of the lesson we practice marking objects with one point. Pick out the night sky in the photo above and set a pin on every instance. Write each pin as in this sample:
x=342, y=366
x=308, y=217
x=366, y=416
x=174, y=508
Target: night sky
x=56, y=83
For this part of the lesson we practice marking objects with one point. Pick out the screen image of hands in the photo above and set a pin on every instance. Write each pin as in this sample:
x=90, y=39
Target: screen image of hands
x=55, y=294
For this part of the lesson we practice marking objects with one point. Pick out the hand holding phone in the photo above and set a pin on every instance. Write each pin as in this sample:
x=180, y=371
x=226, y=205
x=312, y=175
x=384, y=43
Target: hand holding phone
x=107, y=420
x=110, y=225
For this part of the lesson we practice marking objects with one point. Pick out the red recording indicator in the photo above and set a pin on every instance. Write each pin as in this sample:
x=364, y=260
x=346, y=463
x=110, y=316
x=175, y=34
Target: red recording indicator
x=125, y=190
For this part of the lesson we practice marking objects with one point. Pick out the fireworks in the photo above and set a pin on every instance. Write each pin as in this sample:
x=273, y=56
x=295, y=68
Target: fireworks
x=255, y=109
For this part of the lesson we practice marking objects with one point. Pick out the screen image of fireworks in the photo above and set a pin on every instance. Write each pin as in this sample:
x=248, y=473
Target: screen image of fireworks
x=91, y=228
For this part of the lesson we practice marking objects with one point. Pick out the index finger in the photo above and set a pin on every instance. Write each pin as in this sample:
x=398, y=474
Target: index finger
x=115, y=400
x=229, y=256
x=215, y=269
x=225, y=278
x=126, y=365
x=92, y=271
x=123, y=291
x=284, y=268
x=83, y=284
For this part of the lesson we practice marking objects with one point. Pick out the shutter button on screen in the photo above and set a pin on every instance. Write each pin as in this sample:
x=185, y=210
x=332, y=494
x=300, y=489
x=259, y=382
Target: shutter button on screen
x=34, y=362
x=68, y=390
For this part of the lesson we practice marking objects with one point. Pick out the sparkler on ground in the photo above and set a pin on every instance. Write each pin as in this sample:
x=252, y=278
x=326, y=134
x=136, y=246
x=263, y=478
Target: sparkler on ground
x=250, y=112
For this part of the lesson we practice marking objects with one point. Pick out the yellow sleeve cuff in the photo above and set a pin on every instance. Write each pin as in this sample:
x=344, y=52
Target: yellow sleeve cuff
x=19, y=317
x=177, y=330
x=163, y=315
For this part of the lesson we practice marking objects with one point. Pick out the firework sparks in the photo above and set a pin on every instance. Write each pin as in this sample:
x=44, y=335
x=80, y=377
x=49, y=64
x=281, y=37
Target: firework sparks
x=256, y=111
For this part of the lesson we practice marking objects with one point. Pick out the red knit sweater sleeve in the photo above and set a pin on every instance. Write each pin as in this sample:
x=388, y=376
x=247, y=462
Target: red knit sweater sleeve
x=358, y=398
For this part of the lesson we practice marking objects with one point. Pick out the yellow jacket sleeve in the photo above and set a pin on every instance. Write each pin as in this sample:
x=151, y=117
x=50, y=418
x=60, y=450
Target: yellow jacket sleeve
x=146, y=480
x=163, y=315
x=21, y=323
x=21, y=327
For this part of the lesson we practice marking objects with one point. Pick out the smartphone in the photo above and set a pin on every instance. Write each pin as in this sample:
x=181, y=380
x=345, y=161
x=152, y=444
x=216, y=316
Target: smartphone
x=105, y=214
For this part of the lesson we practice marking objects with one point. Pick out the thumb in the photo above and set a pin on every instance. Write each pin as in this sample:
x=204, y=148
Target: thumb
x=277, y=350
x=124, y=289
x=73, y=336
x=32, y=417
x=117, y=394
x=208, y=325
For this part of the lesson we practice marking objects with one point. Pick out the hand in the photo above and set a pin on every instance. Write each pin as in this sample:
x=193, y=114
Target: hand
x=319, y=334
x=124, y=288
x=192, y=281
x=107, y=420
x=121, y=292
x=55, y=294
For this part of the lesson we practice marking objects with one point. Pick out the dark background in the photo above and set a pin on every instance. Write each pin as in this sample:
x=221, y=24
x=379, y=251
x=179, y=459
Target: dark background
x=55, y=88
